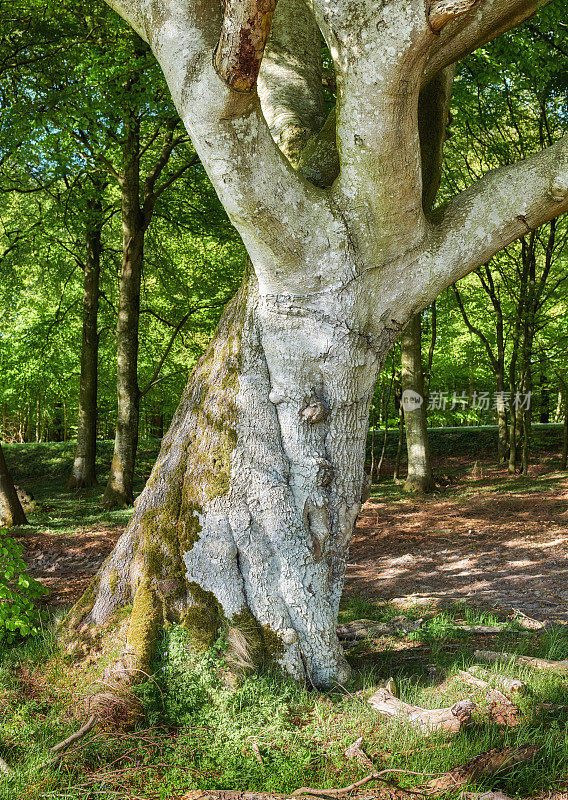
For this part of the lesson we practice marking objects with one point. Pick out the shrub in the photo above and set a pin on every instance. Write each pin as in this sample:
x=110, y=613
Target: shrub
x=19, y=617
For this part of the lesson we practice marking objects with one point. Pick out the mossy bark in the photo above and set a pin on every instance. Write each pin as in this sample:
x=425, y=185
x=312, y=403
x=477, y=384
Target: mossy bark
x=245, y=522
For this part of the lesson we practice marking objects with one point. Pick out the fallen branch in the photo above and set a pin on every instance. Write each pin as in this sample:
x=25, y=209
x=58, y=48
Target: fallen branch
x=536, y=663
x=483, y=765
x=502, y=710
x=528, y=623
x=355, y=751
x=429, y=720
x=484, y=796
x=480, y=683
x=83, y=731
x=381, y=776
x=502, y=682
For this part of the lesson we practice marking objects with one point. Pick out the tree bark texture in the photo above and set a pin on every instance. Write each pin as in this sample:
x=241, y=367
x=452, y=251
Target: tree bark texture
x=11, y=511
x=419, y=477
x=83, y=472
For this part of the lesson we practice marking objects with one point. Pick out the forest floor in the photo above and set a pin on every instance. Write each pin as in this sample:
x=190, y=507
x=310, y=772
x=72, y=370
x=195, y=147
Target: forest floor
x=496, y=541
x=483, y=545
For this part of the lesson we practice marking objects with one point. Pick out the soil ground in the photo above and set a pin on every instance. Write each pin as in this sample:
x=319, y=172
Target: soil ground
x=485, y=537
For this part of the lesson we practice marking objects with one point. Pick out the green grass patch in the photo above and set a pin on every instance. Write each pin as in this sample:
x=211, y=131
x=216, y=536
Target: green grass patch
x=268, y=733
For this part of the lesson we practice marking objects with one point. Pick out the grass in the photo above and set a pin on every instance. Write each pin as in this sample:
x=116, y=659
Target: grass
x=201, y=731
x=43, y=469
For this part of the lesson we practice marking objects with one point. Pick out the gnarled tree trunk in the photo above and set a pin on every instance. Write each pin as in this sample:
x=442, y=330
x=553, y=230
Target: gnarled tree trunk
x=246, y=519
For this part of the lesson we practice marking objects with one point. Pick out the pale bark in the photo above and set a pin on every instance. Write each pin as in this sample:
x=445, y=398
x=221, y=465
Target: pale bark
x=83, y=472
x=247, y=517
x=11, y=511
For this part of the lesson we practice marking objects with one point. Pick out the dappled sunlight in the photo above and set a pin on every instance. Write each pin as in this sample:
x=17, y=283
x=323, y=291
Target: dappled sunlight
x=505, y=547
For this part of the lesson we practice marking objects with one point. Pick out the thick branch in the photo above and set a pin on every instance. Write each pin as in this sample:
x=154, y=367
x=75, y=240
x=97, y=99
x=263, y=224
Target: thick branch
x=444, y=11
x=246, y=25
x=488, y=20
x=290, y=81
x=269, y=204
x=498, y=209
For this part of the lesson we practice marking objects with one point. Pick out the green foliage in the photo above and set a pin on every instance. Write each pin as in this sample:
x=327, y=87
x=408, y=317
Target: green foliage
x=19, y=617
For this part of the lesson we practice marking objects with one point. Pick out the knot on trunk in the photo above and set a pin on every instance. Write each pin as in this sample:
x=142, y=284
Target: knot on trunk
x=558, y=189
x=313, y=410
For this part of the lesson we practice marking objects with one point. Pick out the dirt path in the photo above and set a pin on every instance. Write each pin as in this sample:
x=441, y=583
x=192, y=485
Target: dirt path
x=506, y=551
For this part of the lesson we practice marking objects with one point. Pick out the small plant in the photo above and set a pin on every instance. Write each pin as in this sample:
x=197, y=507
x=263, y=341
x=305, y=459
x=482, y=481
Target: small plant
x=19, y=617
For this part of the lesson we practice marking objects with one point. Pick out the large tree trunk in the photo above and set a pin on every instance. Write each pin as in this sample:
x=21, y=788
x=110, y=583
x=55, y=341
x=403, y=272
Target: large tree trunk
x=246, y=519
x=11, y=511
x=119, y=488
x=419, y=477
x=83, y=473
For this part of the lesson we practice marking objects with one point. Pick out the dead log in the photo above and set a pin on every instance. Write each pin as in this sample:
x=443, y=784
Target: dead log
x=560, y=667
x=428, y=720
x=502, y=682
x=502, y=711
x=484, y=796
x=483, y=765
x=528, y=623
x=367, y=628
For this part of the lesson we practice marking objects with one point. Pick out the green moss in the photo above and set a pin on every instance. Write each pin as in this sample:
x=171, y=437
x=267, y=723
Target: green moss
x=113, y=580
x=273, y=645
x=204, y=620
x=145, y=623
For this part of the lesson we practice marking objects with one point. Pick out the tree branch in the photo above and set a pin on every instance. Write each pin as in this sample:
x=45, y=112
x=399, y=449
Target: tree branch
x=488, y=20
x=269, y=204
x=246, y=25
x=501, y=207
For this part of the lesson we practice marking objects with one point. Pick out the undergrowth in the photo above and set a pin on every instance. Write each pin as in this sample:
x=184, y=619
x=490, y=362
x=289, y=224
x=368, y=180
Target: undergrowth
x=263, y=732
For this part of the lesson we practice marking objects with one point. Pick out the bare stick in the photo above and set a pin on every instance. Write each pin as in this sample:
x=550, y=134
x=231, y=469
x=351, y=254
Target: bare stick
x=58, y=748
x=305, y=790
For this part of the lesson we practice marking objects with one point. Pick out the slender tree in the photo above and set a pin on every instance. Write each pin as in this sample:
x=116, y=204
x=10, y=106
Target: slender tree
x=83, y=473
x=419, y=476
